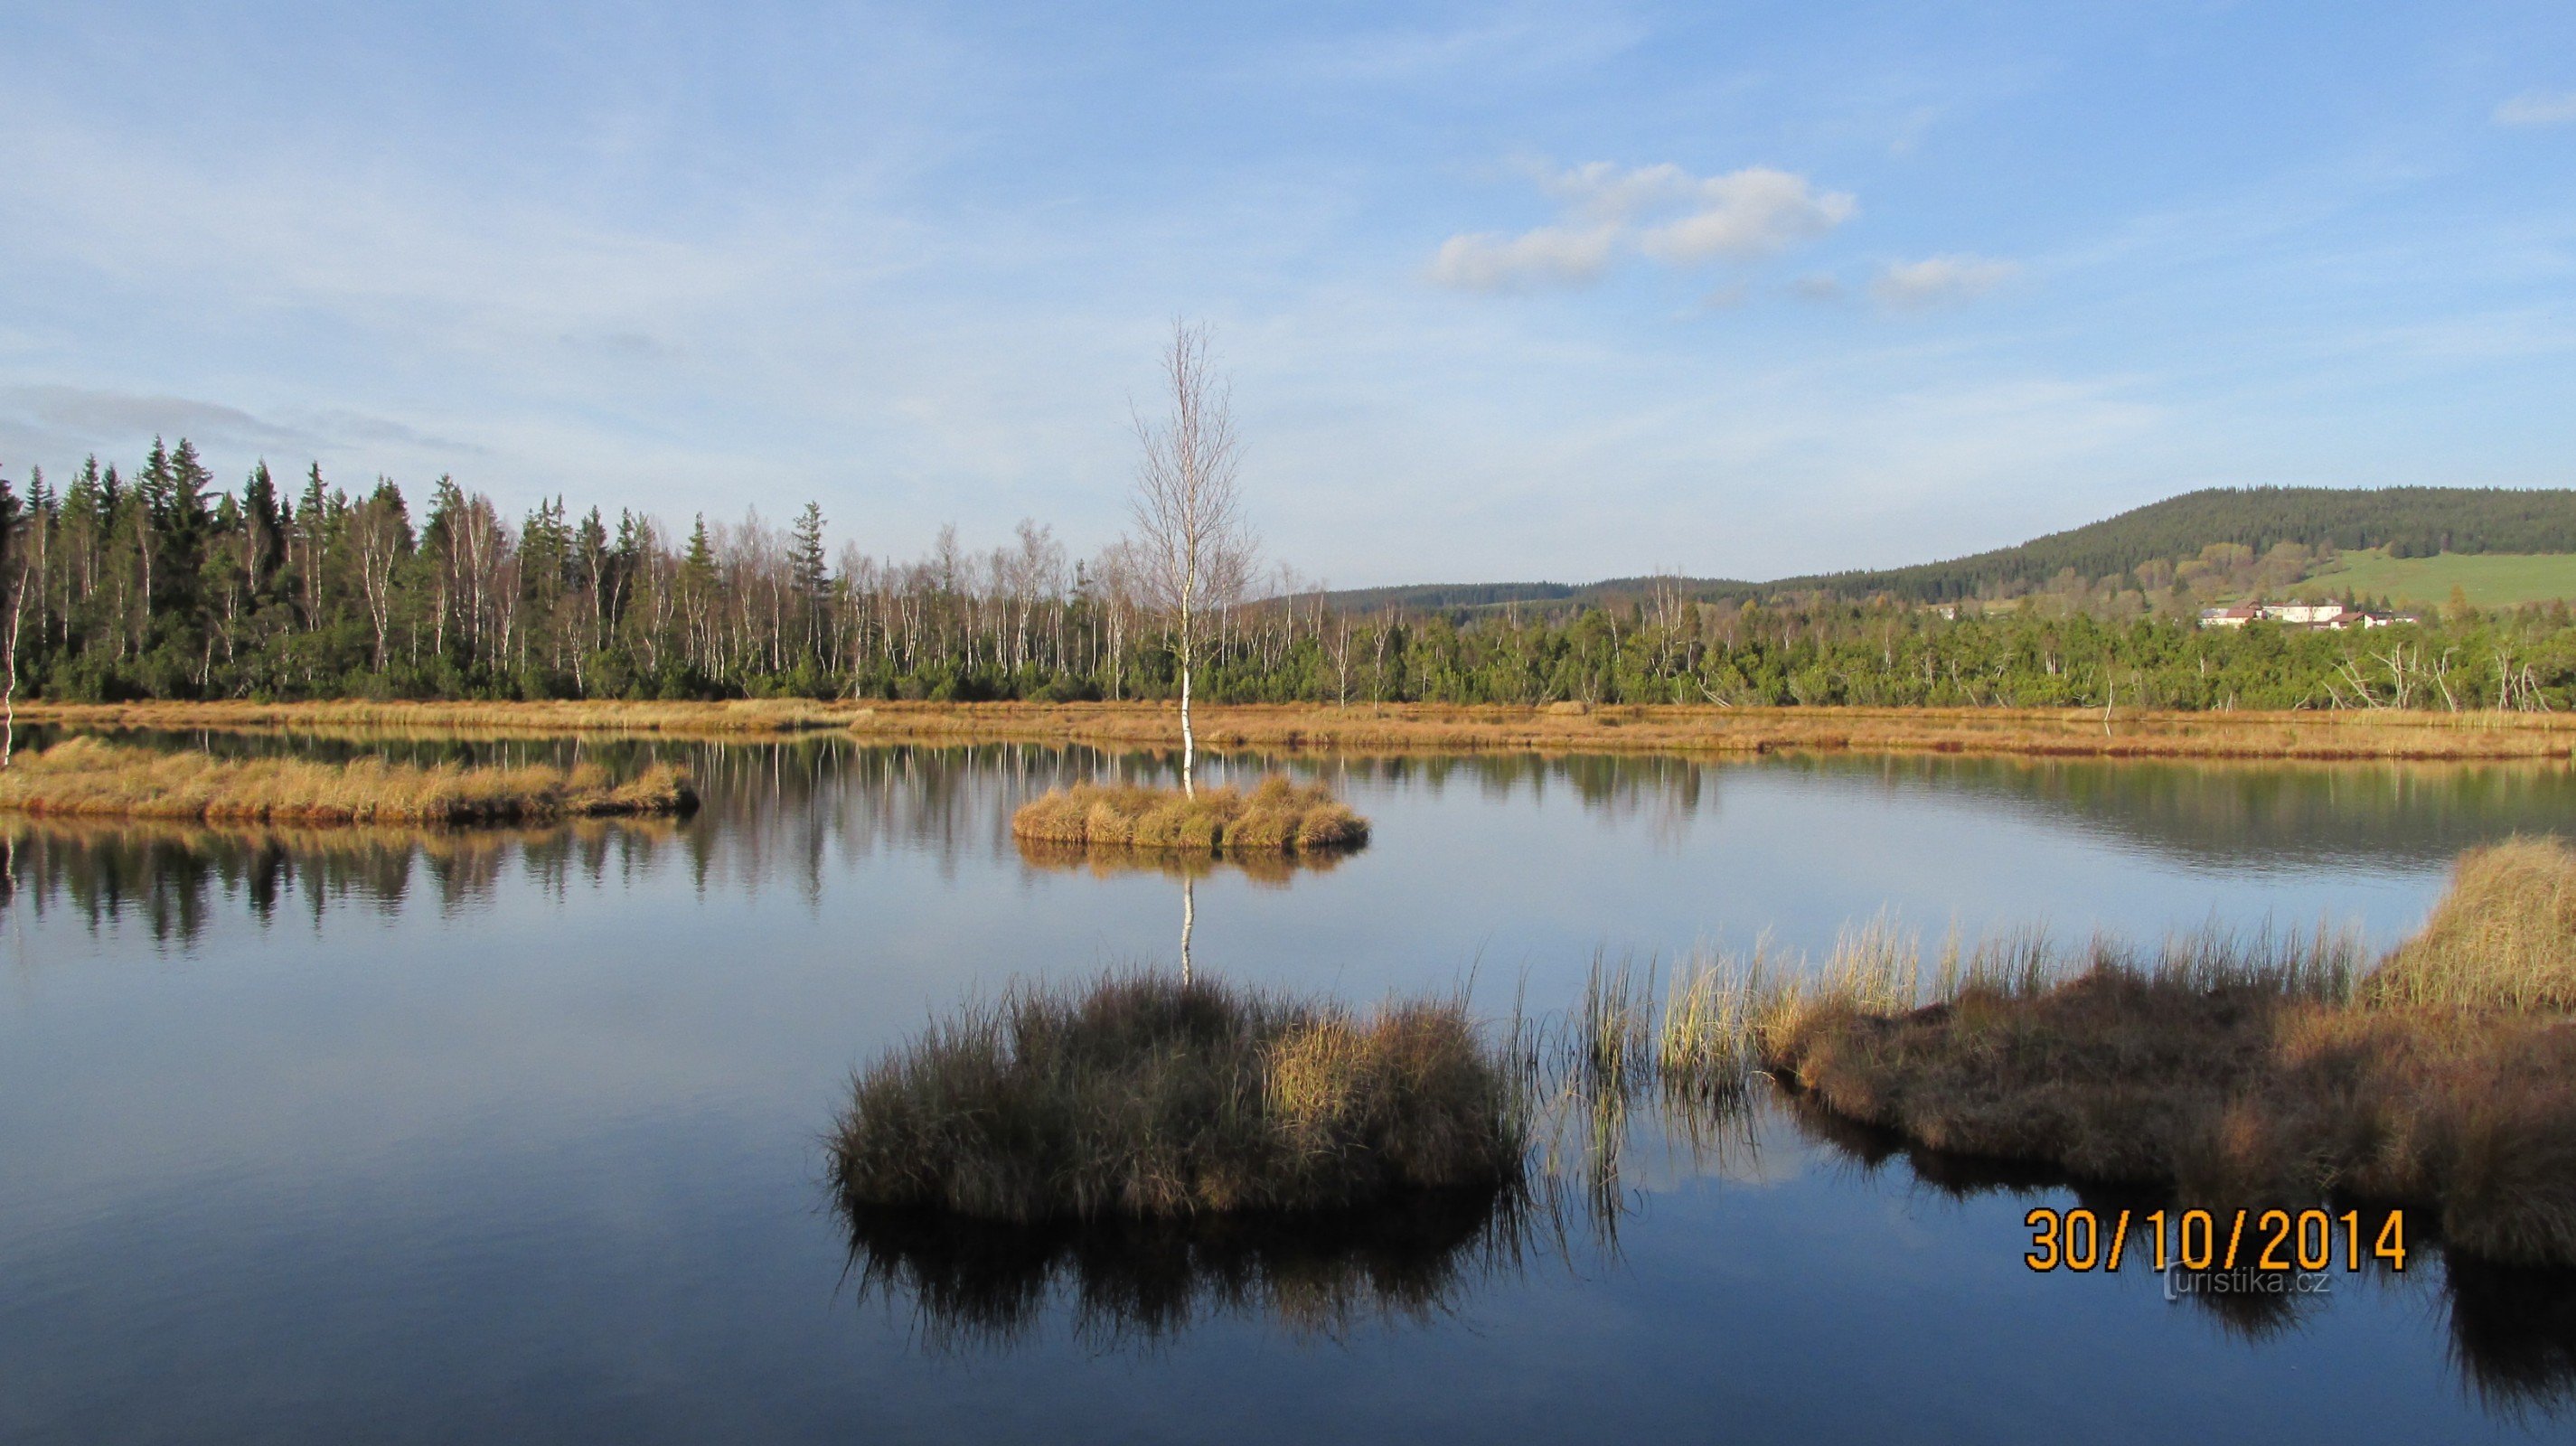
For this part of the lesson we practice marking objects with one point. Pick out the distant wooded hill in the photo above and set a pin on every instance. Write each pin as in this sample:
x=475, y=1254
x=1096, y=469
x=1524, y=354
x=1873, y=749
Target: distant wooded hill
x=2405, y=521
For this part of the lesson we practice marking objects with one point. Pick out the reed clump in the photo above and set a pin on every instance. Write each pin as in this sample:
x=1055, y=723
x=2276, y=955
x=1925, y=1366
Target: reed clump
x=86, y=776
x=1278, y=816
x=1140, y=1095
x=2245, y=1072
x=2503, y=937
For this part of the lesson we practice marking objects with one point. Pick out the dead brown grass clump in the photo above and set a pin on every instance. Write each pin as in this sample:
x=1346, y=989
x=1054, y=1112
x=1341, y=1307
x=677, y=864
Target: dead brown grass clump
x=86, y=776
x=2266, y=1079
x=1147, y=1097
x=1279, y=816
x=2504, y=937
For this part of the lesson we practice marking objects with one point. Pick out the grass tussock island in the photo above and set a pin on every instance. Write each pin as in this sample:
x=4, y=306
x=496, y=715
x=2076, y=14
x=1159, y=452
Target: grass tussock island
x=2442, y=1079
x=90, y=777
x=1279, y=816
x=2386, y=733
x=1141, y=1096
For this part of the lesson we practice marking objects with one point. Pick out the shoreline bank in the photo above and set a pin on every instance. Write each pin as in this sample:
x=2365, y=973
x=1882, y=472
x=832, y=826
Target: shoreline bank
x=2383, y=734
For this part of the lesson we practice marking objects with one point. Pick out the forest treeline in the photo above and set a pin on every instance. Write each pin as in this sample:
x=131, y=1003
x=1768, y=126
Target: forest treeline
x=162, y=584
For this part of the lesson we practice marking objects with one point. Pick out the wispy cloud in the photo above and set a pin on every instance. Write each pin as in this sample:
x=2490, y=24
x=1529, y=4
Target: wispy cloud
x=2538, y=108
x=1939, y=281
x=105, y=417
x=1662, y=212
x=1491, y=261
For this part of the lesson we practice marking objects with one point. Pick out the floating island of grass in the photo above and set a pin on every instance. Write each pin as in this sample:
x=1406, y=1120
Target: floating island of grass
x=89, y=777
x=1278, y=816
x=1146, y=1097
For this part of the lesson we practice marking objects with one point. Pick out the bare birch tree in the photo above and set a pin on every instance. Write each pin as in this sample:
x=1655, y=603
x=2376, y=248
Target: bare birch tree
x=1193, y=550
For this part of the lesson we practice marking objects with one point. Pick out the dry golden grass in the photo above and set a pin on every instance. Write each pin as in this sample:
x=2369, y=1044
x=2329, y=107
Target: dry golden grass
x=1278, y=817
x=2244, y=1075
x=1426, y=727
x=86, y=776
x=363, y=718
x=2504, y=937
x=1141, y=1096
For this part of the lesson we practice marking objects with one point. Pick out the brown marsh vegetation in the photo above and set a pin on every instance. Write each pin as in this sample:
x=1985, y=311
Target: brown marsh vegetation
x=2059, y=732
x=1139, y=1095
x=91, y=777
x=1278, y=816
x=2236, y=1072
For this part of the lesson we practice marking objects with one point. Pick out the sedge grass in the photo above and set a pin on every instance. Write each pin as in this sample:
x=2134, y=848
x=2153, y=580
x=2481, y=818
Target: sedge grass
x=86, y=776
x=1278, y=816
x=2504, y=937
x=2239, y=1070
x=1143, y=1096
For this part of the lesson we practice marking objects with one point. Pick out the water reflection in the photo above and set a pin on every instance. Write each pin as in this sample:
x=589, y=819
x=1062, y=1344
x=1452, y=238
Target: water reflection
x=170, y=877
x=1106, y=861
x=2244, y=814
x=475, y=1105
x=2512, y=1329
x=1119, y=1284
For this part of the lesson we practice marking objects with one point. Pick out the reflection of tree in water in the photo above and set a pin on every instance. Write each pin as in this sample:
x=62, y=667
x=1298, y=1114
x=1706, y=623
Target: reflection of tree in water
x=2227, y=813
x=1668, y=791
x=2513, y=1328
x=171, y=877
x=1264, y=868
x=795, y=811
x=975, y=1284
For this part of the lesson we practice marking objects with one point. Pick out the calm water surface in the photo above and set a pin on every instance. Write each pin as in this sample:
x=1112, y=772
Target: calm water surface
x=373, y=1135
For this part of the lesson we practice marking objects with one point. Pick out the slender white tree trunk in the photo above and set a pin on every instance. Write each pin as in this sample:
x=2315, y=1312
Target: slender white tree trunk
x=1189, y=740
x=1189, y=920
x=9, y=697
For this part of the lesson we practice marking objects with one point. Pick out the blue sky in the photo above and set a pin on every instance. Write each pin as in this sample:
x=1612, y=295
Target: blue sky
x=1509, y=291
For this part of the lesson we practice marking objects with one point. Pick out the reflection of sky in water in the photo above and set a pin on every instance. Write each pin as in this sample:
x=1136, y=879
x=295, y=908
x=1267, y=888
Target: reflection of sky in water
x=528, y=1147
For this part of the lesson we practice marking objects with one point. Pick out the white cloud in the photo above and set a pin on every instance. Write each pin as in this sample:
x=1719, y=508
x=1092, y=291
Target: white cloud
x=1748, y=214
x=1939, y=280
x=1662, y=211
x=1488, y=261
x=2538, y=108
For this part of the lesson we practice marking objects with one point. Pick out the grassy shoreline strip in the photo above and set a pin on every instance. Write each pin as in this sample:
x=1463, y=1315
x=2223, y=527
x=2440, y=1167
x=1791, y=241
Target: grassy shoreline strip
x=2388, y=734
x=2239, y=1073
x=88, y=777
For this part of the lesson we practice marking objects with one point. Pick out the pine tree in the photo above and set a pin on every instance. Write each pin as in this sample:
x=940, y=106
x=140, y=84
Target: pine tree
x=806, y=555
x=263, y=529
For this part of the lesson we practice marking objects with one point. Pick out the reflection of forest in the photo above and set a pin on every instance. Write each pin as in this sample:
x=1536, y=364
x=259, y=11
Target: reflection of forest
x=2248, y=815
x=171, y=876
x=790, y=812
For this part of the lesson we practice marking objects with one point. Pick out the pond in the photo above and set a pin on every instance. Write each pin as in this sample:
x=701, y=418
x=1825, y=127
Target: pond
x=383, y=1135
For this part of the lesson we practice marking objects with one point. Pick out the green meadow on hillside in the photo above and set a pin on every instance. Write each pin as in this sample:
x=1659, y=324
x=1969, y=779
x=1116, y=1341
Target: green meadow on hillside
x=2490, y=579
